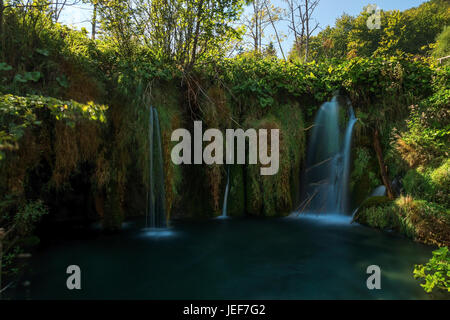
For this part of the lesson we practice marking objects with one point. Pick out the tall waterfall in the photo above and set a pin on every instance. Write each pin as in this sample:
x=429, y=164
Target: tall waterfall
x=326, y=179
x=225, y=197
x=156, y=212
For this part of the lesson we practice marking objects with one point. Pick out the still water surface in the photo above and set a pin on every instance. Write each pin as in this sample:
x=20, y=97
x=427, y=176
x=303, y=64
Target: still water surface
x=285, y=258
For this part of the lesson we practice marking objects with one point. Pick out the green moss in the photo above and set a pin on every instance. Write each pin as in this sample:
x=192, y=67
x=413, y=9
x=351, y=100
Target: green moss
x=276, y=195
x=417, y=219
x=374, y=201
x=236, y=198
x=253, y=191
x=167, y=101
x=114, y=214
x=381, y=217
x=363, y=178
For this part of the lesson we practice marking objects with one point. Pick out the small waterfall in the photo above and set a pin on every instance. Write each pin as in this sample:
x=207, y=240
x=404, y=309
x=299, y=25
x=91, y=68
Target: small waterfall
x=156, y=213
x=346, y=154
x=225, y=197
x=379, y=191
x=326, y=178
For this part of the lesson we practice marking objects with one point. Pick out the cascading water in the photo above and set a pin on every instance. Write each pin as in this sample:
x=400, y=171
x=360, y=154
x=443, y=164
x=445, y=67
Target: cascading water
x=156, y=212
x=328, y=161
x=225, y=197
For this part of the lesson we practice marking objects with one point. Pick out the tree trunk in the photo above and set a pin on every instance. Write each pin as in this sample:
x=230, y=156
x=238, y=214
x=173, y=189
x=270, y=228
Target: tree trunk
x=196, y=35
x=255, y=12
x=307, y=30
x=94, y=21
x=294, y=28
x=275, y=29
x=383, y=171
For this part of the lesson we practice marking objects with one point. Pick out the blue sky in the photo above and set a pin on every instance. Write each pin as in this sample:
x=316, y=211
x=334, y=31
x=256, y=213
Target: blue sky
x=326, y=14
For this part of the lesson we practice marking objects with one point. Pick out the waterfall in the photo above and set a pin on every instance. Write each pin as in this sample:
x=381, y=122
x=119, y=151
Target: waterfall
x=326, y=178
x=156, y=211
x=346, y=154
x=225, y=197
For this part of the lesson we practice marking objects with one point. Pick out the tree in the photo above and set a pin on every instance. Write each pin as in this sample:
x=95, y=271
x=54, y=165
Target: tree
x=363, y=41
x=392, y=38
x=423, y=24
x=264, y=14
x=272, y=20
x=182, y=31
x=94, y=19
x=58, y=6
x=409, y=31
x=301, y=22
x=270, y=51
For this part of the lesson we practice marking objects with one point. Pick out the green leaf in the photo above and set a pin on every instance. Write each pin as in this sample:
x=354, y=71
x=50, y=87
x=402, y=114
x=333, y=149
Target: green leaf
x=44, y=52
x=5, y=67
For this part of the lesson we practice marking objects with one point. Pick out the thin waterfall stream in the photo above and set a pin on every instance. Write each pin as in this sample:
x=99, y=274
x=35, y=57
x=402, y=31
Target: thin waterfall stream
x=156, y=211
x=225, y=197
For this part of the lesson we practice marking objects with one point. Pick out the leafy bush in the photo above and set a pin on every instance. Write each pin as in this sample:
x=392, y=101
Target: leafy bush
x=429, y=184
x=436, y=272
x=43, y=57
x=417, y=184
x=426, y=140
x=368, y=80
x=440, y=178
x=18, y=113
x=29, y=214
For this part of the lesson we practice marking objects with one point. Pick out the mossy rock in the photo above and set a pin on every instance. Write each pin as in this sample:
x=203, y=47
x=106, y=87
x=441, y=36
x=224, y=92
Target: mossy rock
x=361, y=214
x=420, y=220
x=374, y=201
x=364, y=174
x=276, y=195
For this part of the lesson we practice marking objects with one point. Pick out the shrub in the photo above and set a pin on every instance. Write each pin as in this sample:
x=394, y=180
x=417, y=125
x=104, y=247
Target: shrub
x=420, y=220
x=426, y=140
x=429, y=184
x=436, y=272
x=440, y=178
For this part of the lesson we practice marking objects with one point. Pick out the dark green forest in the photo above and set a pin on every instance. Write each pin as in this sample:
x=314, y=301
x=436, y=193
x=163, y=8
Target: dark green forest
x=74, y=110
